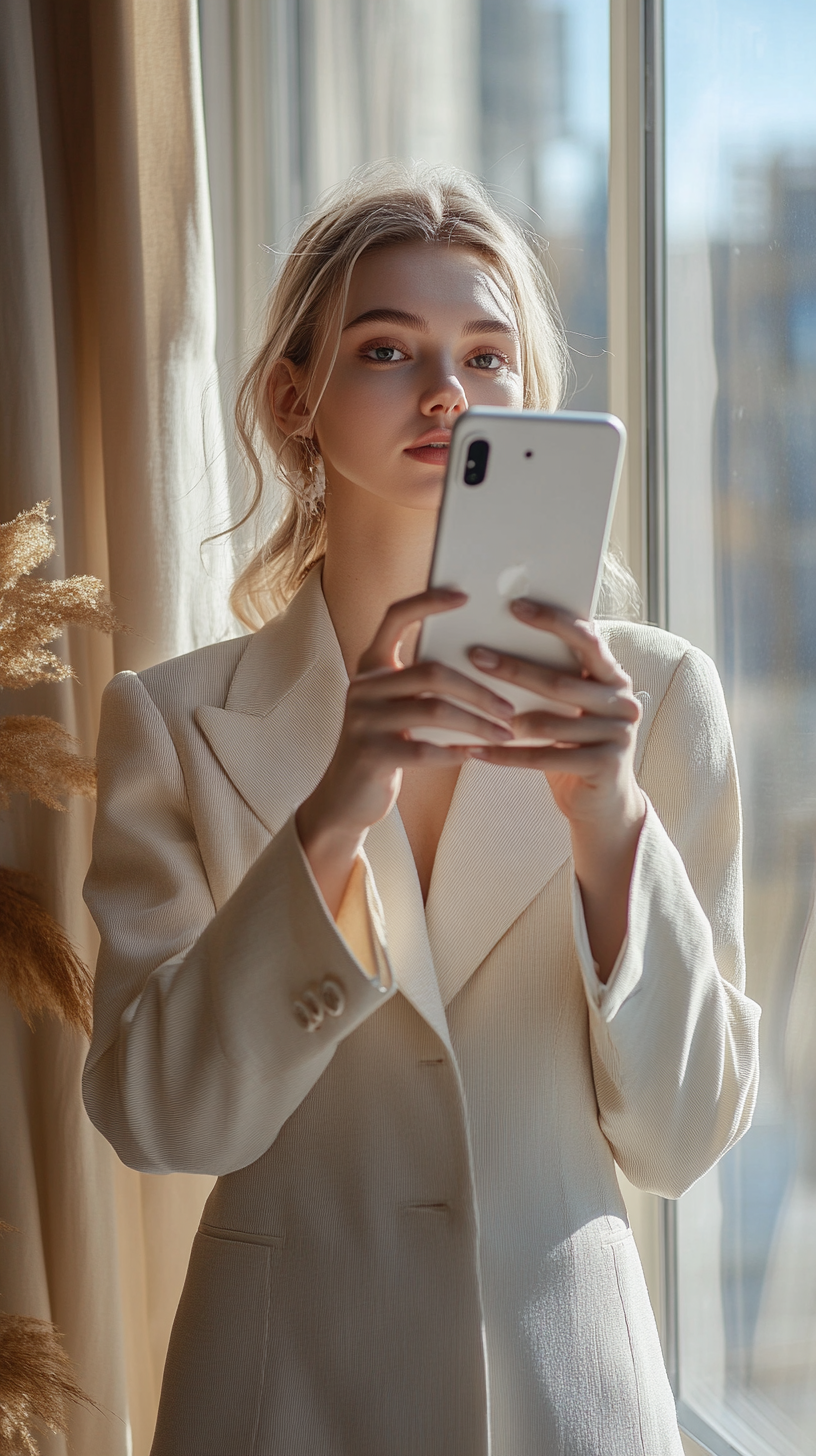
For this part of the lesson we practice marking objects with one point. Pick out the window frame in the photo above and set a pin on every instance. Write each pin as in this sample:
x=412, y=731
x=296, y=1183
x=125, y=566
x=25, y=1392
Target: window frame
x=638, y=394
x=637, y=390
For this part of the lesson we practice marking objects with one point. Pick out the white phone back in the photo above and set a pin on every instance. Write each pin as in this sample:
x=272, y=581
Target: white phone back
x=537, y=526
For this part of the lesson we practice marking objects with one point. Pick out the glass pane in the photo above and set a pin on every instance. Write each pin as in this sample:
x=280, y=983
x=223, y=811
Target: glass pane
x=741, y=274
x=516, y=91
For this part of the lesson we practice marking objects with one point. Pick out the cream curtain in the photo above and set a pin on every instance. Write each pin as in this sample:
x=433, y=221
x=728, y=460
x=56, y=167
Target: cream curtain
x=108, y=407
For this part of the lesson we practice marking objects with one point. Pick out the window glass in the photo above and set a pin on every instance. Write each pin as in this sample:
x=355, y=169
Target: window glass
x=514, y=90
x=741, y=368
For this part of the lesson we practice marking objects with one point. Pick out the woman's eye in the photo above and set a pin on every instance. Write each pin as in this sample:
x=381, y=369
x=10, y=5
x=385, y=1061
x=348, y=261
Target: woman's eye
x=488, y=361
x=385, y=354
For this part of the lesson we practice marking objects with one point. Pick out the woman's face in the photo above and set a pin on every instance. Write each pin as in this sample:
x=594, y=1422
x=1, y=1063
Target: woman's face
x=426, y=333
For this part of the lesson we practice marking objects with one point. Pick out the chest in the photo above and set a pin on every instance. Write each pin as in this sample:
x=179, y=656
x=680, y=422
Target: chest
x=424, y=800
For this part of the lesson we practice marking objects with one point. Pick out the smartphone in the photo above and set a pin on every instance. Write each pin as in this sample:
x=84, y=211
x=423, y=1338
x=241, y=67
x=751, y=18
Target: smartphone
x=526, y=512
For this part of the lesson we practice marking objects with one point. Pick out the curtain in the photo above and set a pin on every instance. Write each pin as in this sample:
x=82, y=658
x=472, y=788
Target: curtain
x=109, y=408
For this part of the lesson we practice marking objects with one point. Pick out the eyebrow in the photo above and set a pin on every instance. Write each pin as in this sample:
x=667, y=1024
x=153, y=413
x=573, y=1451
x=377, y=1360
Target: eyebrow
x=490, y=326
x=415, y=321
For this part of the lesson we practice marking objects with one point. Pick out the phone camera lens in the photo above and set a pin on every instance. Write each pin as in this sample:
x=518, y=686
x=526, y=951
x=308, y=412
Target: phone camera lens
x=528, y=454
x=476, y=463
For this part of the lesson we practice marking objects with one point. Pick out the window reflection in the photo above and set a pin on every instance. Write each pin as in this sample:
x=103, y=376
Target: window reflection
x=741, y=271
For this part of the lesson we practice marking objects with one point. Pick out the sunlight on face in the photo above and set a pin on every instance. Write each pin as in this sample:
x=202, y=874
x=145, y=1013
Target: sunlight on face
x=426, y=333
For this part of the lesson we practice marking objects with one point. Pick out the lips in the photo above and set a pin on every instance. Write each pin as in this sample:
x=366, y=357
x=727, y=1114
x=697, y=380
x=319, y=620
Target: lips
x=431, y=448
x=429, y=454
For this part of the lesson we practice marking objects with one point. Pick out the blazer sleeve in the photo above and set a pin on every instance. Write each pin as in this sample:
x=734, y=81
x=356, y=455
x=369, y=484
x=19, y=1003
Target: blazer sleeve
x=202, y=1046
x=674, y=1040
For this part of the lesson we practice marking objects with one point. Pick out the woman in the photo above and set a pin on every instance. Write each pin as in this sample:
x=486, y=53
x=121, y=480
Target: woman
x=412, y=1003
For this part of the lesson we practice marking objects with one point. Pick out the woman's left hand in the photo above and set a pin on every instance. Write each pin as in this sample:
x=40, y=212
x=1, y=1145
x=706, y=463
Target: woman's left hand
x=589, y=752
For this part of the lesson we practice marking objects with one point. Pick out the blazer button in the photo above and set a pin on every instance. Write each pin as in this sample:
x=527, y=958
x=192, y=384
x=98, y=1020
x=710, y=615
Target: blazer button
x=308, y=1011
x=302, y=1016
x=333, y=996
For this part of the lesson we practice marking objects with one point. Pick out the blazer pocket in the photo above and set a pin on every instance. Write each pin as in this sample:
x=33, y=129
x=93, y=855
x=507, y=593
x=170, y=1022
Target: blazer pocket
x=216, y=1361
x=240, y=1236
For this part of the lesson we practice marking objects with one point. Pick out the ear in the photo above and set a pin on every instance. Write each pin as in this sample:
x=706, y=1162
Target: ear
x=287, y=396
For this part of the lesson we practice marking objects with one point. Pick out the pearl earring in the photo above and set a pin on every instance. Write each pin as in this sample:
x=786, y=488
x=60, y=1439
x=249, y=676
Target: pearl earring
x=312, y=483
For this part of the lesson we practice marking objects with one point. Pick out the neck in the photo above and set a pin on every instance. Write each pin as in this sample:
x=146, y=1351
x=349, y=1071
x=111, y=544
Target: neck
x=376, y=553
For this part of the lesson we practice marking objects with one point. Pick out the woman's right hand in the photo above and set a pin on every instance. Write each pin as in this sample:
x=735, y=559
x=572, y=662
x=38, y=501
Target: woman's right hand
x=385, y=701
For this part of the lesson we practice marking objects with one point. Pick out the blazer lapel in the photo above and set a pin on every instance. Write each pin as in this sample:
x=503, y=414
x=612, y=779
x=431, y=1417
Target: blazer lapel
x=274, y=738
x=409, y=951
x=279, y=727
x=503, y=840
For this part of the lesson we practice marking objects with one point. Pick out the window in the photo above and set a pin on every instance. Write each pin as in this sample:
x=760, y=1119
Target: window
x=740, y=269
x=712, y=318
x=516, y=91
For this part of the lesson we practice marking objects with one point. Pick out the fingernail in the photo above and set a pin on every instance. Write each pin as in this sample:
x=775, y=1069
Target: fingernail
x=483, y=657
x=503, y=733
x=523, y=608
x=504, y=709
x=478, y=752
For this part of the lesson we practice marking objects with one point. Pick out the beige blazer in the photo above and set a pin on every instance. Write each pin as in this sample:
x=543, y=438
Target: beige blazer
x=416, y=1245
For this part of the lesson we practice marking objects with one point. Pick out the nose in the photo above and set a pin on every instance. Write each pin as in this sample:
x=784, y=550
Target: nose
x=444, y=396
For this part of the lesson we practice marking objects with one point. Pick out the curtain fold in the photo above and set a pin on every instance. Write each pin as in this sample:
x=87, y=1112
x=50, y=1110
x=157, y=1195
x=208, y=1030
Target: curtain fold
x=109, y=407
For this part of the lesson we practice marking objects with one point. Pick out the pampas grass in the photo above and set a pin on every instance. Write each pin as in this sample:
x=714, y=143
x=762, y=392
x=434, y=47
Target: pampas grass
x=39, y=967
x=34, y=612
x=39, y=757
x=25, y=542
x=36, y=1384
x=41, y=971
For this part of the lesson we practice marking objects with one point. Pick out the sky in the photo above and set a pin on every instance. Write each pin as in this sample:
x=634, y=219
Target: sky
x=740, y=80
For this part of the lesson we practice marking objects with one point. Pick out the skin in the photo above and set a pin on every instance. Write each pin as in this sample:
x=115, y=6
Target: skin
x=449, y=341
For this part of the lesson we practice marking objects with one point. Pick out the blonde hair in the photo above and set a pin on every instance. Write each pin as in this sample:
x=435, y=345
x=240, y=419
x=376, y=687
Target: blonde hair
x=378, y=207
